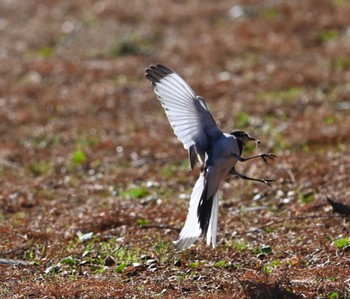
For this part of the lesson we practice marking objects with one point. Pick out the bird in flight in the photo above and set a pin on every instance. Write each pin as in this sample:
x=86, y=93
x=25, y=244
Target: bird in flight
x=217, y=152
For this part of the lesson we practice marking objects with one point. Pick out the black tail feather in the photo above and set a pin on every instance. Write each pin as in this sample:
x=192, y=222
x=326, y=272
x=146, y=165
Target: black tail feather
x=204, y=211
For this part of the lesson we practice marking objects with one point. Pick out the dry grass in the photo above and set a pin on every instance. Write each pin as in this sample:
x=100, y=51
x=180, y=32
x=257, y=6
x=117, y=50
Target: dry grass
x=86, y=148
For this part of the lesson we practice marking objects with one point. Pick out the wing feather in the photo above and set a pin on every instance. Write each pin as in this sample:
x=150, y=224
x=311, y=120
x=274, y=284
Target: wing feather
x=187, y=113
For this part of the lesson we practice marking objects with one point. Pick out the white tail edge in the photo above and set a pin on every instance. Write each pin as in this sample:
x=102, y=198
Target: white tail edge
x=213, y=224
x=191, y=230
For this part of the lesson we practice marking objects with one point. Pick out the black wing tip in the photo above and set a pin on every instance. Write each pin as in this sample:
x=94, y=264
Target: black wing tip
x=155, y=72
x=164, y=69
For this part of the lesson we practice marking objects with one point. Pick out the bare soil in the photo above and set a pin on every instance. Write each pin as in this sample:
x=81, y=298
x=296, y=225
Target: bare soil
x=94, y=186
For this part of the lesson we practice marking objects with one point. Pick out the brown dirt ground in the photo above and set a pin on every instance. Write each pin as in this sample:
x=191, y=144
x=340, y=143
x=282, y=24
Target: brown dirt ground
x=85, y=147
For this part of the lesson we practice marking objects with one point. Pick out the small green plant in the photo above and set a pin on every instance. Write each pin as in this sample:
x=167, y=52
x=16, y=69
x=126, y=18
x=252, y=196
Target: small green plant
x=40, y=167
x=341, y=64
x=99, y=255
x=121, y=268
x=78, y=157
x=306, y=197
x=221, y=264
x=168, y=171
x=267, y=269
x=122, y=254
x=130, y=44
x=283, y=95
x=143, y=222
x=44, y=52
x=327, y=35
x=274, y=263
x=172, y=169
x=240, y=246
x=243, y=120
x=135, y=192
x=68, y=261
x=333, y=295
x=161, y=246
x=44, y=141
x=87, y=140
x=340, y=147
x=340, y=2
x=48, y=194
x=194, y=265
x=249, y=148
x=330, y=120
x=271, y=13
x=342, y=243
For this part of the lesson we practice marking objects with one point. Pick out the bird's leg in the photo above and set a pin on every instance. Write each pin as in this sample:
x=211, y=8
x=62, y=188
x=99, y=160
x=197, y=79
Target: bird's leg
x=244, y=177
x=265, y=157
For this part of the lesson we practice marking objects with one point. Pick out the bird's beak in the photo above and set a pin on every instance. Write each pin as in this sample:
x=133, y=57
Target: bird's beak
x=255, y=140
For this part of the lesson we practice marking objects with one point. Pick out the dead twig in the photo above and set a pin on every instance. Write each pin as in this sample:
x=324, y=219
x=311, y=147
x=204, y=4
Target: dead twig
x=160, y=227
x=272, y=222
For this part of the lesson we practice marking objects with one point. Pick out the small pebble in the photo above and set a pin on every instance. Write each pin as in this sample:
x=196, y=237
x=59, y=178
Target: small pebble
x=178, y=263
x=261, y=256
x=151, y=262
x=109, y=261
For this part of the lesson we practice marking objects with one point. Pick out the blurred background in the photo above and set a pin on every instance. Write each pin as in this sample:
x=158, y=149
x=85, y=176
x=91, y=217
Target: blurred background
x=86, y=147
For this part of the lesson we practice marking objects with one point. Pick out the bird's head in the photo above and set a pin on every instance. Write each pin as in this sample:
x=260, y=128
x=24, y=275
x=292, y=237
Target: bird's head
x=244, y=137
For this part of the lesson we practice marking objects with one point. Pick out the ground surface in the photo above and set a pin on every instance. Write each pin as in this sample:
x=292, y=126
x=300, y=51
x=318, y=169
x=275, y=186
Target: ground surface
x=94, y=186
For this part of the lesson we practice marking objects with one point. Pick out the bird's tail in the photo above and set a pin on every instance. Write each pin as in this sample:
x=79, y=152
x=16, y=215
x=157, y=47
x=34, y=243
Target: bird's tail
x=192, y=228
x=213, y=223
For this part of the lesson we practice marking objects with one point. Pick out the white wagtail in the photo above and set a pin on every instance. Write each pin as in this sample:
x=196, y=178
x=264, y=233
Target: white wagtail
x=217, y=152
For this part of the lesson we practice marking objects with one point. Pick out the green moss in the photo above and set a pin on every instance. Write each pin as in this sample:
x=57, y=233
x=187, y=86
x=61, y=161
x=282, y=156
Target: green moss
x=341, y=64
x=283, y=95
x=48, y=194
x=242, y=120
x=327, y=35
x=45, y=52
x=131, y=44
x=40, y=167
x=340, y=2
x=271, y=13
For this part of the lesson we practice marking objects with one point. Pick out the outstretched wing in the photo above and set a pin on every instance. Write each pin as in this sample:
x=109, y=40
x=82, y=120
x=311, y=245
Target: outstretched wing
x=187, y=113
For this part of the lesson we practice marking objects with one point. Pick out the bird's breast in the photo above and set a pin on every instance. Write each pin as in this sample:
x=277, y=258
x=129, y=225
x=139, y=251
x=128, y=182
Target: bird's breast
x=222, y=155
